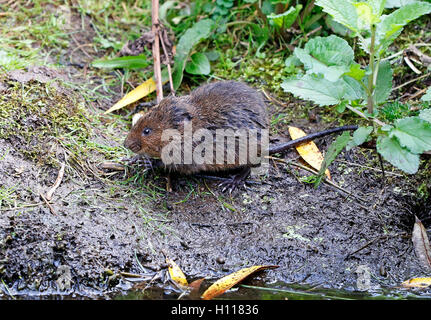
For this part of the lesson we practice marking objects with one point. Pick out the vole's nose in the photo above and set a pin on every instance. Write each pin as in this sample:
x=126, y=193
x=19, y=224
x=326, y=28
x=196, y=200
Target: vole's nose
x=135, y=146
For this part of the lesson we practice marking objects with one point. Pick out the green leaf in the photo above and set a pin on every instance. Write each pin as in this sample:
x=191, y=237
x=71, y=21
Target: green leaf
x=425, y=115
x=356, y=72
x=324, y=92
x=391, y=25
x=427, y=95
x=343, y=12
x=378, y=6
x=129, y=62
x=333, y=151
x=383, y=82
x=330, y=56
x=397, y=3
x=352, y=89
x=212, y=55
x=413, y=133
x=286, y=19
x=360, y=136
x=199, y=31
x=366, y=15
x=321, y=91
x=199, y=64
x=400, y=157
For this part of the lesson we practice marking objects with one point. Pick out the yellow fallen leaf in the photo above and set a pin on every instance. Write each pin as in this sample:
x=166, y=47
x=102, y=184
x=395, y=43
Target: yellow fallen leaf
x=225, y=283
x=417, y=283
x=139, y=92
x=176, y=273
x=308, y=150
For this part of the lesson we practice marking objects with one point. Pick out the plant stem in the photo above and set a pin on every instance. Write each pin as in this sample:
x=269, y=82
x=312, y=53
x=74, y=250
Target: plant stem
x=156, y=49
x=370, y=101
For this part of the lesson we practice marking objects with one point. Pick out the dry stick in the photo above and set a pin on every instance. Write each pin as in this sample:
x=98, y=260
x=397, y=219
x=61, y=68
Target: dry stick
x=411, y=65
x=47, y=203
x=57, y=182
x=156, y=49
x=171, y=82
x=410, y=81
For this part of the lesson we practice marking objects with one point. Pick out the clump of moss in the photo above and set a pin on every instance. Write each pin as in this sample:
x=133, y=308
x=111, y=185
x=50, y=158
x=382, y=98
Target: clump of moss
x=35, y=117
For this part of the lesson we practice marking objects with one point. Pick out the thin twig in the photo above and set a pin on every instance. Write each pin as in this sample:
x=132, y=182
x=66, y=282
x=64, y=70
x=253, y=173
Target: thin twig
x=168, y=59
x=410, y=81
x=47, y=203
x=156, y=49
x=57, y=182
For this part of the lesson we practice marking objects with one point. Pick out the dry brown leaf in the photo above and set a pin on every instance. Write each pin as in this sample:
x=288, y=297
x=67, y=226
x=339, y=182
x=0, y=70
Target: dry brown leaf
x=417, y=283
x=176, y=273
x=308, y=150
x=421, y=244
x=227, y=282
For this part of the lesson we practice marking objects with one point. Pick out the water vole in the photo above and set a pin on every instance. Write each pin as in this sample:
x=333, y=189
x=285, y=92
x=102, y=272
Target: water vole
x=225, y=105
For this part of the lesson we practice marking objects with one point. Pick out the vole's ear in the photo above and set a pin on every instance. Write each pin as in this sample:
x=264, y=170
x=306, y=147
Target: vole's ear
x=136, y=117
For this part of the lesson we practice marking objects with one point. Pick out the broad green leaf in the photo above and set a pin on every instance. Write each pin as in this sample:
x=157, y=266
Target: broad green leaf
x=312, y=65
x=413, y=133
x=319, y=90
x=199, y=64
x=359, y=136
x=129, y=62
x=331, y=50
x=336, y=27
x=378, y=6
x=352, y=89
x=343, y=11
x=330, y=56
x=365, y=14
x=397, y=3
x=383, y=82
x=356, y=72
x=286, y=19
x=400, y=157
x=391, y=25
x=212, y=55
x=427, y=95
x=425, y=115
x=333, y=151
x=199, y=31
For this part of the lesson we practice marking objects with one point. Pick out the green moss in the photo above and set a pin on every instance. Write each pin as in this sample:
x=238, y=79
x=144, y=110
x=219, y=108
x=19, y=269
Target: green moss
x=35, y=117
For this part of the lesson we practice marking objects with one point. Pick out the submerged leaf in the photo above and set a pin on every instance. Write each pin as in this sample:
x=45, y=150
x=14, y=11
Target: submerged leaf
x=227, y=282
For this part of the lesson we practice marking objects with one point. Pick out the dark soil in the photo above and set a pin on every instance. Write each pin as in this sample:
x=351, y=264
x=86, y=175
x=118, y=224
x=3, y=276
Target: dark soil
x=104, y=227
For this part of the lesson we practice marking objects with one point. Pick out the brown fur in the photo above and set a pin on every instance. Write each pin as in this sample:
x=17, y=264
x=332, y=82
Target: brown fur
x=220, y=105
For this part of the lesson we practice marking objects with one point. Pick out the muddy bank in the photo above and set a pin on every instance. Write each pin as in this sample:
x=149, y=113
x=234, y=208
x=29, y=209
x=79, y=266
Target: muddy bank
x=102, y=225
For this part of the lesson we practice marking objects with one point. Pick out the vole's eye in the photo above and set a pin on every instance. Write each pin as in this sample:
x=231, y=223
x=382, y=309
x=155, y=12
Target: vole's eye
x=146, y=131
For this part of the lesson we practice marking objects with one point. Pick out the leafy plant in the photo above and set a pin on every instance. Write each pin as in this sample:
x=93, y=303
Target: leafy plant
x=199, y=63
x=332, y=77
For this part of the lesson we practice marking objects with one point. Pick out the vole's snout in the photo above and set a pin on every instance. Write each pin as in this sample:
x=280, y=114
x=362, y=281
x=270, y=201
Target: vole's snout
x=135, y=146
